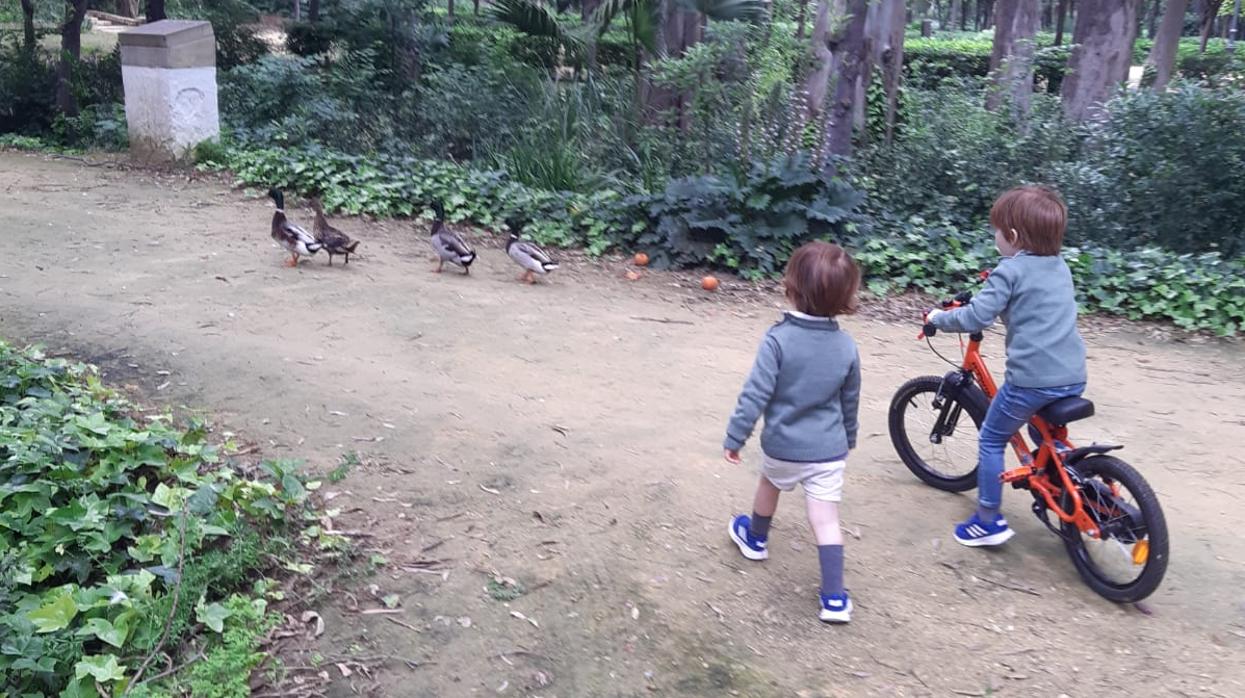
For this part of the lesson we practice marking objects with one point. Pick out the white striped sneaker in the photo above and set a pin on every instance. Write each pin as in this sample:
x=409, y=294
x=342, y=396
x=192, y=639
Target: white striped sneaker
x=976, y=533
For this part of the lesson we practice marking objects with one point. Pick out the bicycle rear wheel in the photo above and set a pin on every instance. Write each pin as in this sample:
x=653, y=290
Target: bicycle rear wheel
x=932, y=436
x=1127, y=562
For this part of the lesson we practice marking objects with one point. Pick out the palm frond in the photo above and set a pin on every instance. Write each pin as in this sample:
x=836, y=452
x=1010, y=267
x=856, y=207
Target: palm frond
x=531, y=17
x=727, y=10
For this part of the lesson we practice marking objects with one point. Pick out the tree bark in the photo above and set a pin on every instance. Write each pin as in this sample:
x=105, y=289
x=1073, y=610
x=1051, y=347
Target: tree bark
x=1104, y=35
x=818, y=82
x=449, y=9
x=475, y=7
x=1011, y=60
x=313, y=11
x=1152, y=18
x=801, y=20
x=957, y=13
x=1166, y=42
x=127, y=8
x=849, y=58
x=71, y=50
x=155, y=10
x=892, y=61
x=297, y=13
x=1210, y=10
x=1061, y=15
x=28, y=25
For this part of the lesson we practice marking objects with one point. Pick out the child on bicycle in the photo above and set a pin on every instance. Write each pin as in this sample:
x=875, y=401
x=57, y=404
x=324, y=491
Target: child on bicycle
x=1031, y=290
x=806, y=381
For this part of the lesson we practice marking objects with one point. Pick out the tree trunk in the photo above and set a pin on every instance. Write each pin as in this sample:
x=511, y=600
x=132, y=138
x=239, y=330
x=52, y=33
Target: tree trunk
x=849, y=58
x=1061, y=14
x=475, y=7
x=1166, y=42
x=1011, y=60
x=297, y=14
x=1104, y=33
x=799, y=27
x=1210, y=10
x=449, y=9
x=71, y=50
x=155, y=10
x=28, y=25
x=127, y=8
x=313, y=11
x=818, y=82
x=1152, y=19
x=964, y=15
x=891, y=59
x=957, y=13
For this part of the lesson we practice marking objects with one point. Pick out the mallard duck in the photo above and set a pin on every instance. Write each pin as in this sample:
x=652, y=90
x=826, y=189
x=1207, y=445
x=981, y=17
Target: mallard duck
x=529, y=255
x=297, y=241
x=449, y=245
x=334, y=240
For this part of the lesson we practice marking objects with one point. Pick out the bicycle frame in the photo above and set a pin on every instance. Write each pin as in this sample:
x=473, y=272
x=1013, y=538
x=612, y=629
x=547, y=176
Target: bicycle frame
x=1035, y=474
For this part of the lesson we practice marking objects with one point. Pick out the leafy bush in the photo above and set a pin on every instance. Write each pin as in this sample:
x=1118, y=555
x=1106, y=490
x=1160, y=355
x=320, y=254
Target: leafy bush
x=95, y=506
x=752, y=225
x=1165, y=169
x=749, y=225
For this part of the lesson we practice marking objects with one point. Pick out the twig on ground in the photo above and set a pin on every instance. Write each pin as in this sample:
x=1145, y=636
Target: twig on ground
x=661, y=320
x=168, y=623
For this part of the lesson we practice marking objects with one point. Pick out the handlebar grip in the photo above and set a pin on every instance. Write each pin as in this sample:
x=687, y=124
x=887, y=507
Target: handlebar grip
x=929, y=329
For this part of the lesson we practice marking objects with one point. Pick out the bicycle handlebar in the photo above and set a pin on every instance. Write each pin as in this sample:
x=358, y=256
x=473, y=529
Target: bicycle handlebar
x=961, y=299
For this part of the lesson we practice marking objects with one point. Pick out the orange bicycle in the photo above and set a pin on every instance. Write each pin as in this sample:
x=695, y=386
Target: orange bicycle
x=1107, y=514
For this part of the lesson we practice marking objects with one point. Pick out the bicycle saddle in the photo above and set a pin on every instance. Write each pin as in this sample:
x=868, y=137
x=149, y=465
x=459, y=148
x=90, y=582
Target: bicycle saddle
x=1067, y=410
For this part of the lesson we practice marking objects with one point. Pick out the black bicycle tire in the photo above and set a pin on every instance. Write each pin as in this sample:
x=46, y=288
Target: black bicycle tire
x=1156, y=530
x=972, y=404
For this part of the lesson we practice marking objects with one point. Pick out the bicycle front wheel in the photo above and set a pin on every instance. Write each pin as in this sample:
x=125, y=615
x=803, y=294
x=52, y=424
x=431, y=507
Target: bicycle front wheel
x=936, y=434
x=1126, y=562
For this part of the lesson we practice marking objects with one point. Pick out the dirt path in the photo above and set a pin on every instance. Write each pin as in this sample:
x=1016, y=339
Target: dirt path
x=552, y=435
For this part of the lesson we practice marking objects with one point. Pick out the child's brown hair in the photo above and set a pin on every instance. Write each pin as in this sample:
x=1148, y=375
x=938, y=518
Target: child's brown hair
x=1035, y=216
x=822, y=280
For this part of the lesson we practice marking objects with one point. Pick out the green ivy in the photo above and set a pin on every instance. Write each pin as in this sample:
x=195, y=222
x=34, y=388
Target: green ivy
x=749, y=225
x=94, y=502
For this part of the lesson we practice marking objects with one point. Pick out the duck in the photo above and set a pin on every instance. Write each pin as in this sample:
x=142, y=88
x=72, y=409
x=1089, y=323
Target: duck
x=294, y=238
x=527, y=254
x=449, y=245
x=334, y=240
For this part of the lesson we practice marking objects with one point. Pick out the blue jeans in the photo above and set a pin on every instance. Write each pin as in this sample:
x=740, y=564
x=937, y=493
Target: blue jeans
x=1011, y=409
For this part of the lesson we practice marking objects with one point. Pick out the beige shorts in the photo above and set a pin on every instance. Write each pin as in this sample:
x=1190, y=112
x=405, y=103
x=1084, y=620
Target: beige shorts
x=821, y=481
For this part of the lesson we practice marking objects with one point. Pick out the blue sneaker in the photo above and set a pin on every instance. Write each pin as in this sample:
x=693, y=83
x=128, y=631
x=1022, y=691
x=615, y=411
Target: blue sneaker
x=976, y=533
x=836, y=608
x=750, y=546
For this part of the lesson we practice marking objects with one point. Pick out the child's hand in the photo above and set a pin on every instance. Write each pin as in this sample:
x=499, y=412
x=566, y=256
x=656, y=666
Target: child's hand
x=732, y=456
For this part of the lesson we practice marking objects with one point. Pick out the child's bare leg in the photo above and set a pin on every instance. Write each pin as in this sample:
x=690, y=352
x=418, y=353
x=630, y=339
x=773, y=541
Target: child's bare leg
x=824, y=518
x=764, y=504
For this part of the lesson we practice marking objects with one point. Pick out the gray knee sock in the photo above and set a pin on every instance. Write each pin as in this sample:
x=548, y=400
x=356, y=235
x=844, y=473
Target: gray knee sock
x=759, y=526
x=987, y=514
x=831, y=557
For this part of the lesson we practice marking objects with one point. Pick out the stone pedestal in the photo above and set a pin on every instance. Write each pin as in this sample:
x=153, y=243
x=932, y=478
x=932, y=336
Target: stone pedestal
x=168, y=69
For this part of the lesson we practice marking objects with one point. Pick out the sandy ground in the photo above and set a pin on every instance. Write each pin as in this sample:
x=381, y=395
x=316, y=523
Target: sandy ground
x=561, y=436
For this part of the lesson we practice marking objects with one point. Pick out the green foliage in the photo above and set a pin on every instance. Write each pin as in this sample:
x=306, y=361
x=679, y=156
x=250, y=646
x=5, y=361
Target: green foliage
x=93, y=503
x=226, y=670
x=232, y=22
x=751, y=225
x=28, y=91
x=1165, y=169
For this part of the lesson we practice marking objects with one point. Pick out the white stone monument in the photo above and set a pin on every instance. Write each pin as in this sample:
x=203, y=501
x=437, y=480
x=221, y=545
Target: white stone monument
x=168, y=69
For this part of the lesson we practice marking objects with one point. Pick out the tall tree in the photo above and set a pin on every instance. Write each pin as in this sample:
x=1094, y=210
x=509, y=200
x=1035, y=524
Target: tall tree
x=1166, y=42
x=850, y=56
x=28, y=25
x=313, y=11
x=1104, y=34
x=1061, y=15
x=127, y=8
x=1152, y=18
x=818, y=81
x=1011, y=59
x=801, y=20
x=71, y=51
x=957, y=13
x=884, y=33
x=1210, y=10
x=155, y=10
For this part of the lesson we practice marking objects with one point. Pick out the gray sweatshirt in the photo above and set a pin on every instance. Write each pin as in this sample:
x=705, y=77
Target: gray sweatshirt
x=806, y=381
x=1035, y=298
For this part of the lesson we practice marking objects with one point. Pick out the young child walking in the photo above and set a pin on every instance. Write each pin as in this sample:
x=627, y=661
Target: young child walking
x=1031, y=290
x=806, y=381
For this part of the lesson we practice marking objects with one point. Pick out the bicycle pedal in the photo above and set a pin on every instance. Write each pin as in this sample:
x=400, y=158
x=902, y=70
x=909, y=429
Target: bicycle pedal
x=1018, y=474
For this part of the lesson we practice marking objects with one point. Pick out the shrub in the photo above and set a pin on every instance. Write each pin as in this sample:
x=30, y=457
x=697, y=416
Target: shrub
x=96, y=506
x=1163, y=169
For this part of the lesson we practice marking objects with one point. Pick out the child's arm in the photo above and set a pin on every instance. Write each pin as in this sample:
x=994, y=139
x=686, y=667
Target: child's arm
x=849, y=401
x=981, y=311
x=755, y=396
